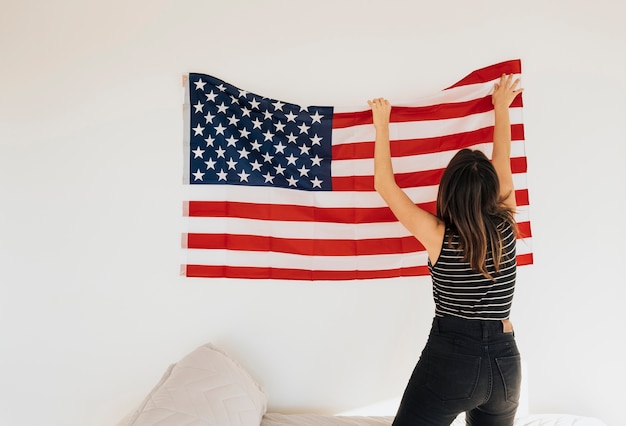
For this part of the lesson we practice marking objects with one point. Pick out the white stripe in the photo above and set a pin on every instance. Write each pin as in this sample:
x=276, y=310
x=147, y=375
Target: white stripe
x=286, y=260
x=306, y=230
x=412, y=163
x=422, y=129
x=455, y=94
x=321, y=199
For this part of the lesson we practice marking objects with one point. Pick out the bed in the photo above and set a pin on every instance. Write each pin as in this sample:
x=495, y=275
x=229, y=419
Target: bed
x=208, y=387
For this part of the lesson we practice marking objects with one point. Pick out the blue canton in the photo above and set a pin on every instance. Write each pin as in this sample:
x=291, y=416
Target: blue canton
x=239, y=138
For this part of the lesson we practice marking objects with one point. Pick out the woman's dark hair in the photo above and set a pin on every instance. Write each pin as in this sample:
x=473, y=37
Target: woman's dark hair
x=469, y=202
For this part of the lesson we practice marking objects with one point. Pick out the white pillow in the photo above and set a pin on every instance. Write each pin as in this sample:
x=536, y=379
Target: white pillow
x=206, y=387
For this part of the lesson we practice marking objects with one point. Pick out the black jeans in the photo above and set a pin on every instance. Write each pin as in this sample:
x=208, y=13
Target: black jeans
x=467, y=366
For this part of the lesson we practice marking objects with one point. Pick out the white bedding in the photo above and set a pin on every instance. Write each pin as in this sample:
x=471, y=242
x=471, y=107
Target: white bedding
x=207, y=387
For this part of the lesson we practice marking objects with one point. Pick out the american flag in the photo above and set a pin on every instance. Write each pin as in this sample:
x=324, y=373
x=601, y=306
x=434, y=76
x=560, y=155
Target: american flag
x=275, y=190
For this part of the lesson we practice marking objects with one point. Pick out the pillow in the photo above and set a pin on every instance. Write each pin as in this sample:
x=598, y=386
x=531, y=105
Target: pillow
x=206, y=387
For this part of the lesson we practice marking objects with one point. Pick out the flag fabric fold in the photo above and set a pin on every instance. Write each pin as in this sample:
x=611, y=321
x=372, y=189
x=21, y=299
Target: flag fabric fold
x=275, y=190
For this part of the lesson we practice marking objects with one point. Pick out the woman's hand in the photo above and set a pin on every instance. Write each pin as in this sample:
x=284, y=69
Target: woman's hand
x=505, y=91
x=381, y=110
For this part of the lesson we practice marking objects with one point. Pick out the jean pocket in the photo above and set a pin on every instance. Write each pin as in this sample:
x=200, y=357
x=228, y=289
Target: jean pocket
x=511, y=372
x=452, y=376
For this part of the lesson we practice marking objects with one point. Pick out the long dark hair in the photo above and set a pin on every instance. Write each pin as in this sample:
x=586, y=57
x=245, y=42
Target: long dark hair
x=469, y=203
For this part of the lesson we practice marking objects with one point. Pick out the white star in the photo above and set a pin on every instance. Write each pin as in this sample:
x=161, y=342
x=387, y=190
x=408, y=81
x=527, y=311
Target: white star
x=268, y=178
x=256, y=123
x=254, y=103
x=316, y=140
x=291, y=159
x=198, y=175
x=219, y=130
x=316, y=161
x=222, y=108
x=304, y=128
x=317, y=118
x=198, y=129
x=267, y=157
x=317, y=183
x=231, y=164
x=280, y=148
x=222, y=175
x=303, y=171
x=304, y=149
x=243, y=176
x=268, y=136
x=292, y=181
x=292, y=137
x=209, y=118
x=198, y=152
x=211, y=96
x=267, y=114
x=199, y=106
x=280, y=170
x=242, y=93
x=232, y=141
x=210, y=164
x=291, y=116
x=279, y=126
x=233, y=120
x=256, y=145
x=209, y=141
x=220, y=152
x=200, y=84
x=243, y=153
x=304, y=108
x=245, y=112
x=256, y=165
x=244, y=133
x=234, y=100
x=221, y=87
x=278, y=105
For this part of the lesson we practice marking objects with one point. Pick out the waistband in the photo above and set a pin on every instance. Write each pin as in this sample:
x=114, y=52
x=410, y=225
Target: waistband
x=476, y=328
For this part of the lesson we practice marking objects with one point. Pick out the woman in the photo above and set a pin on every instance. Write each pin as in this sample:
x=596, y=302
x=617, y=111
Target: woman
x=470, y=363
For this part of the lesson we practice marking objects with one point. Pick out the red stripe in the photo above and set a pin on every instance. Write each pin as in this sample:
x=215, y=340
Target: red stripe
x=241, y=272
x=490, y=73
x=221, y=271
x=302, y=246
x=289, y=213
x=418, y=146
x=408, y=180
x=400, y=114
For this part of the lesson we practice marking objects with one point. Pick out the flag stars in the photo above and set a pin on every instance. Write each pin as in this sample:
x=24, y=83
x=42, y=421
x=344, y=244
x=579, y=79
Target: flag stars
x=254, y=103
x=233, y=120
x=280, y=170
x=268, y=136
x=200, y=84
x=209, y=118
x=280, y=127
x=198, y=130
x=231, y=141
x=245, y=112
x=231, y=164
x=210, y=97
x=243, y=176
x=304, y=128
x=256, y=145
x=291, y=138
x=209, y=141
x=244, y=133
x=198, y=175
x=242, y=93
x=199, y=107
x=268, y=178
x=222, y=175
x=222, y=108
x=291, y=117
x=303, y=171
x=291, y=159
x=256, y=123
x=256, y=166
x=304, y=150
x=267, y=158
x=315, y=140
x=220, y=152
x=292, y=181
x=280, y=148
x=198, y=152
x=317, y=183
x=316, y=161
x=317, y=118
x=278, y=105
x=210, y=164
x=221, y=88
x=267, y=115
x=243, y=153
x=219, y=129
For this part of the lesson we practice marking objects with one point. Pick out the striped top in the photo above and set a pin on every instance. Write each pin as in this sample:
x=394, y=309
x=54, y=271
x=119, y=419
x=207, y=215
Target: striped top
x=461, y=292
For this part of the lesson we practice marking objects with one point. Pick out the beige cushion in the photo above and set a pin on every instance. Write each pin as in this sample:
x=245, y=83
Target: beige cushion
x=206, y=387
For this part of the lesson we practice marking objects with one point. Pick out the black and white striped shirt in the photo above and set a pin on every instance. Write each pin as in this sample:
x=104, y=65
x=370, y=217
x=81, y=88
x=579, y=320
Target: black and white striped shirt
x=461, y=292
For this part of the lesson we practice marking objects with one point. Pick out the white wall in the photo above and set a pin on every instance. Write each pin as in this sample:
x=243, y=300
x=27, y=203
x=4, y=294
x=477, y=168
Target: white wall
x=92, y=309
